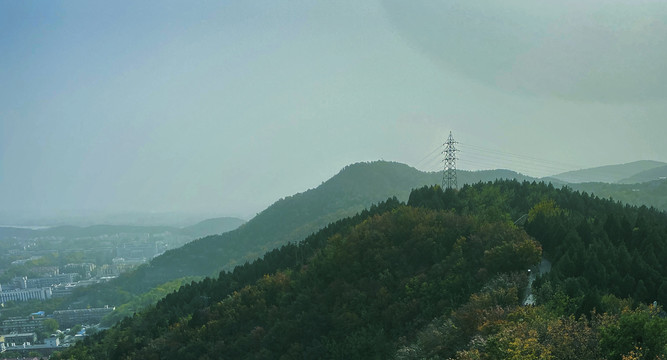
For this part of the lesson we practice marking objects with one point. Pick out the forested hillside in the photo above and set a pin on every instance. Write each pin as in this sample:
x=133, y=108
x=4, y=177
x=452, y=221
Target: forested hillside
x=443, y=277
x=293, y=218
x=290, y=219
x=650, y=193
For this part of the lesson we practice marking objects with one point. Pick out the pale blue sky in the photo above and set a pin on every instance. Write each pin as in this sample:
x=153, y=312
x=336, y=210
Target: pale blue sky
x=223, y=107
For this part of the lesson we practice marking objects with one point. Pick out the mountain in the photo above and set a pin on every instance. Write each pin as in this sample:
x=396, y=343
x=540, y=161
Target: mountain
x=291, y=219
x=212, y=226
x=609, y=173
x=443, y=276
x=657, y=173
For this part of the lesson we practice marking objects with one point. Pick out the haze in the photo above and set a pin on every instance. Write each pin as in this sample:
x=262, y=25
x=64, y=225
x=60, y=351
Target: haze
x=221, y=108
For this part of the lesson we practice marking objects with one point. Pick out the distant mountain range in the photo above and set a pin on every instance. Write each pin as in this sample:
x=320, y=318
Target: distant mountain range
x=633, y=172
x=203, y=228
x=657, y=173
x=635, y=183
x=354, y=188
x=650, y=194
x=291, y=219
x=443, y=276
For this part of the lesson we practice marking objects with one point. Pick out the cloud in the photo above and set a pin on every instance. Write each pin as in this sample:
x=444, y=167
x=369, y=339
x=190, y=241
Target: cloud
x=611, y=51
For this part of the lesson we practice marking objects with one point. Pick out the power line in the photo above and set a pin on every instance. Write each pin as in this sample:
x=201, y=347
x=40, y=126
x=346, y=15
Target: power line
x=551, y=164
x=484, y=157
x=480, y=156
x=430, y=155
x=514, y=162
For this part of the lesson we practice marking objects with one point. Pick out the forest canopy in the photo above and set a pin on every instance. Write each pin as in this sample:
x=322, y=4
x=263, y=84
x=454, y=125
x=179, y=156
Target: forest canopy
x=443, y=276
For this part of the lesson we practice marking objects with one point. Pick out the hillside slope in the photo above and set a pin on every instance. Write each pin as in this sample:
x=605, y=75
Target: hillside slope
x=608, y=173
x=652, y=193
x=439, y=278
x=658, y=173
x=291, y=219
x=212, y=226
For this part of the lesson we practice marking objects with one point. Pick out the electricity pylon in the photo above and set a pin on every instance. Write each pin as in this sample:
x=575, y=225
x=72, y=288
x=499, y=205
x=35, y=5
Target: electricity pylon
x=449, y=173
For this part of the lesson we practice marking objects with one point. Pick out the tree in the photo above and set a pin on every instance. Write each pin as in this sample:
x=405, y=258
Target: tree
x=546, y=208
x=50, y=325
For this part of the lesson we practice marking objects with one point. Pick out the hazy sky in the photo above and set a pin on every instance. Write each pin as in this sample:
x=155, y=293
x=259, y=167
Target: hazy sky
x=223, y=107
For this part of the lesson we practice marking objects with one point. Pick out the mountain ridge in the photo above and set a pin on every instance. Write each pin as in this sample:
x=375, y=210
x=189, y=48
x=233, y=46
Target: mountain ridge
x=608, y=173
x=657, y=173
x=438, y=277
x=288, y=220
x=293, y=218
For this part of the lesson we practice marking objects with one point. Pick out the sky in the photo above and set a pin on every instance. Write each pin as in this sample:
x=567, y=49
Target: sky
x=220, y=108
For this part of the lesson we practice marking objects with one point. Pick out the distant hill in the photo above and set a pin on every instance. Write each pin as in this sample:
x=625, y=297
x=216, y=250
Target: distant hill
x=291, y=219
x=12, y=232
x=213, y=226
x=609, y=173
x=441, y=277
x=203, y=228
x=658, y=173
x=652, y=193
x=98, y=230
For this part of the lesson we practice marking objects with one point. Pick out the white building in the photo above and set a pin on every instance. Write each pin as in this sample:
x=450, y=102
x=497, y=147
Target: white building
x=25, y=294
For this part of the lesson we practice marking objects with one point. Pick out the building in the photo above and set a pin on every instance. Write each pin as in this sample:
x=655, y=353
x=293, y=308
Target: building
x=21, y=325
x=118, y=267
x=24, y=344
x=84, y=269
x=62, y=290
x=25, y=350
x=25, y=294
x=52, y=280
x=52, y=342
x=20, y=282
x=69, y=318
x=20, y=339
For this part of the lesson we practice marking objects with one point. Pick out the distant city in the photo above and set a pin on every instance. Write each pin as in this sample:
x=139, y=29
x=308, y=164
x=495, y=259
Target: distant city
x=44, y=265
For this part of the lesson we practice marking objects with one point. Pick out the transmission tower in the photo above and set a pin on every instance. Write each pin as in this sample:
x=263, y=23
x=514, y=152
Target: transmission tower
x=449, y=173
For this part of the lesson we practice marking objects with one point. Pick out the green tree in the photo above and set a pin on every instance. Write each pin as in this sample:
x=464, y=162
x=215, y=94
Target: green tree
x=546, y=208
x=50, y=325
